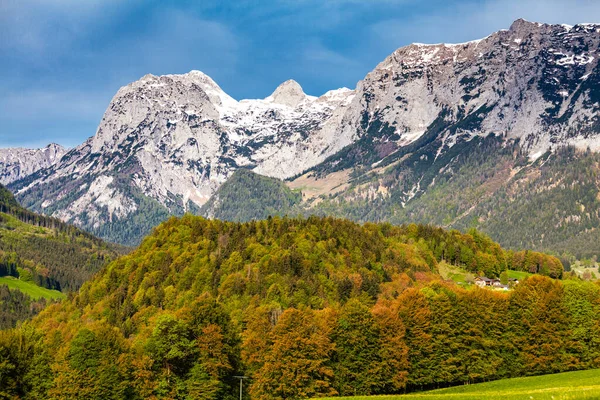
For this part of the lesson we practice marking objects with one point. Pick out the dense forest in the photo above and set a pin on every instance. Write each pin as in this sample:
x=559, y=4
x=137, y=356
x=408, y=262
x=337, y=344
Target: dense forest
x=305, y=307
x=44, y=251
x=247, y=195
x=550, y=204
x=17, y=306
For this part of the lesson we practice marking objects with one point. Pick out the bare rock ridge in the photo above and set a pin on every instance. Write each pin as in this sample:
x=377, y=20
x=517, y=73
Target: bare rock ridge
x=289, y=93
x=17, y=163
x=169, y=142
x=534, y=82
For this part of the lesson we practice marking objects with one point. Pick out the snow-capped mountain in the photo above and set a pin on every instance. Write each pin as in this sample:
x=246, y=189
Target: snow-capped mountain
x=535, y=82
x=175, y=139
x=17, y=163
x=167, y=143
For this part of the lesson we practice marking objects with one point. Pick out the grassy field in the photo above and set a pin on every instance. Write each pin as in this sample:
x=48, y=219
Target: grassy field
x=461, y=276
x=31, y=289
x=457, y=274
x=567, y=385
x=580, y=270
x=520, y=275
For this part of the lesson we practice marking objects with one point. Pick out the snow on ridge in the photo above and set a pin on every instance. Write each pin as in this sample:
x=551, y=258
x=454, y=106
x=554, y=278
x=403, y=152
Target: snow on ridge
x=476, y=41
x=184, y=136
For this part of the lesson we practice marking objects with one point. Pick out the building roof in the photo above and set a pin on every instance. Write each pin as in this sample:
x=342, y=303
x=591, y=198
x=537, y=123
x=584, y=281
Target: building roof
x=484, y=279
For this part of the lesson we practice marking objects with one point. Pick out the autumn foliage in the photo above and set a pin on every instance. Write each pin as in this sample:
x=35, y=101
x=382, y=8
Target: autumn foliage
x=305, y=308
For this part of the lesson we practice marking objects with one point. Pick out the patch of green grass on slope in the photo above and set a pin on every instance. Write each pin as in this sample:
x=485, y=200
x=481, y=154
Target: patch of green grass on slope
x=34, y=291
x=455, y=273
x=566, y=385
x=520, y=275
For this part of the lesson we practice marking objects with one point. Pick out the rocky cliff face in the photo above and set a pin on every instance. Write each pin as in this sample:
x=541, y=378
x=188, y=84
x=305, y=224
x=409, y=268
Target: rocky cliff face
x=165, y=144
x=17, y=163
x=534, y=82
x=171, y=141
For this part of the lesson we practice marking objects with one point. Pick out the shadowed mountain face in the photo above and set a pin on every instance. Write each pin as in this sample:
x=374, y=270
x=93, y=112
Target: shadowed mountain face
x=166, y=144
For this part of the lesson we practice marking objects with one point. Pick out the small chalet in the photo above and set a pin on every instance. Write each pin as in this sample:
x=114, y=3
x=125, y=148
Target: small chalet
x=497, y=284
x=482, y=281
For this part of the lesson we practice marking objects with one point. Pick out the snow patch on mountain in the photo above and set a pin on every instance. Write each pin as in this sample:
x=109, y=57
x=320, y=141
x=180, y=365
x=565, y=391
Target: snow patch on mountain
x=176, y=138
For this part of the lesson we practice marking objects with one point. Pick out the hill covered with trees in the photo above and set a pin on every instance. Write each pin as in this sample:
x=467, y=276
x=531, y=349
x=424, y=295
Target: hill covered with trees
x=247, y=195
x=305, y=307
x=549, y=204
x=46, y=252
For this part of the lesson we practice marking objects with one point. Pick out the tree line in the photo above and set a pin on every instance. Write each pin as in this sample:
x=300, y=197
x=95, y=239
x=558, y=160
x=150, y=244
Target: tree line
x=8, y=205
x=305, y=307
x=46, y=252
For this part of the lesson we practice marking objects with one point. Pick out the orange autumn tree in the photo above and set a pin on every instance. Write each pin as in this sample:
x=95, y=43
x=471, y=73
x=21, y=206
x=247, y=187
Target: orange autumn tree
x=540, y=326
x=297, y=364
x=392, y=370
x=414, y=312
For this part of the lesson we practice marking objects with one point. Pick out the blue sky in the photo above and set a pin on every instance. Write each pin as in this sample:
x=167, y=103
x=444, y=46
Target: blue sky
x=63, y=60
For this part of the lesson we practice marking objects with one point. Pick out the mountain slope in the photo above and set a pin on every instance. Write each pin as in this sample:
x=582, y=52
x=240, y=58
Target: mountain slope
x=301, y=306
x=477, y=134
x=17, y=163
x=550, y=204
x=166, y=144
x=249, y=196
x=43, y=252
x=58, y=255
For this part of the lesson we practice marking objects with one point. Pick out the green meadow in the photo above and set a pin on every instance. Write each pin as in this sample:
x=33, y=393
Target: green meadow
x=31, y=289
x=565, y=386
x=520, y=275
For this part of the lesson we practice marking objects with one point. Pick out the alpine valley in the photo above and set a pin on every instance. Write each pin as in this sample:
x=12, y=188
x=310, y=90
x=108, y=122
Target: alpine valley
x=500, y=134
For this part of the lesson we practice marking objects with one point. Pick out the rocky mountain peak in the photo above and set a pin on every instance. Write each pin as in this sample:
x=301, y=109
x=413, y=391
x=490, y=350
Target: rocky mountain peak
x=289, y=93
x=199, y=78
x=217, y=96
x=18, y=163
x=54, y=149
x=521, y=25
x=148, y=77
x=175, y=139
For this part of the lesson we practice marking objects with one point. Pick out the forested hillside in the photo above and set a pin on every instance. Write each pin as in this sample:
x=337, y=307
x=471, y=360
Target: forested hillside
x=46, y=252
x=247, y=195
x=305, y=307
x=551, y=204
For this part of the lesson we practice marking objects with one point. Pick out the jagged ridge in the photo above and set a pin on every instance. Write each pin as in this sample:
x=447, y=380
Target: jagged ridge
x=17, y=163
x=165, y=144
